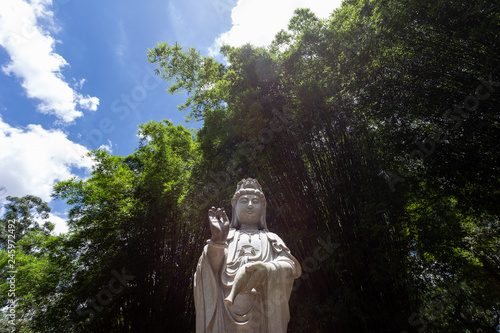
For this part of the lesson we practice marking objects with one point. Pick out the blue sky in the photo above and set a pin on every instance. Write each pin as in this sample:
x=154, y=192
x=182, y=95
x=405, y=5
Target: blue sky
x=74, y=76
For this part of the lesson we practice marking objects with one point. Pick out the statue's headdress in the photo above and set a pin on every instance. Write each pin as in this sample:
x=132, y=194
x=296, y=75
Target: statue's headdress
x=249, y=186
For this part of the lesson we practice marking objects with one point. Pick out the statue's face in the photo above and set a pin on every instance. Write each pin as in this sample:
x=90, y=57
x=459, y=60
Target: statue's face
x=249, y=209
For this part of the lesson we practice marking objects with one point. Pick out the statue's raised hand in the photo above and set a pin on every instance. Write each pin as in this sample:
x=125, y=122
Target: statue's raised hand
x=219, y=224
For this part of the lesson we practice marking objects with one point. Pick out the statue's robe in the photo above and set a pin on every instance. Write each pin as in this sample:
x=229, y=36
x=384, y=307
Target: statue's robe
x=263, y=310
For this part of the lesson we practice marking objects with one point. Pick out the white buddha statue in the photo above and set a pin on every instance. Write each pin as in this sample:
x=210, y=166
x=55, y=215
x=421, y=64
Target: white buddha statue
x=245, y=274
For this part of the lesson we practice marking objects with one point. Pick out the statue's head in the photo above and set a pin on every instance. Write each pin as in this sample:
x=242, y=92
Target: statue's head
x=246, y=190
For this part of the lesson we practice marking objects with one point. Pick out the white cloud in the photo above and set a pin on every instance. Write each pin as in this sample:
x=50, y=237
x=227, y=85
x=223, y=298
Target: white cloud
x=32, y=159
x=78, y=84
x=59, y=220
x=34, y=61
x=108, y=147
x=258, y=21
x=87, y=102
x=61, y=226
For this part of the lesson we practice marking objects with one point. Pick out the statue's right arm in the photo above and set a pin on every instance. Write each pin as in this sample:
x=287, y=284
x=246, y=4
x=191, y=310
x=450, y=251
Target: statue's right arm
x=219, y=227
x=215, y=257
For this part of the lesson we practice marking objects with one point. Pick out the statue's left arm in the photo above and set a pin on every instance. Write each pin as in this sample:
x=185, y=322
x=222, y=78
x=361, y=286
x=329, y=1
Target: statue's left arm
x=283, y=256
x=281, y=273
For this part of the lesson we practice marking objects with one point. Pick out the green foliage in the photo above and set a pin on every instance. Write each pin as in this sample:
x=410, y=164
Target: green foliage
x=24, y=259
x=197, y=75
x=127, y=229
x=26, y=214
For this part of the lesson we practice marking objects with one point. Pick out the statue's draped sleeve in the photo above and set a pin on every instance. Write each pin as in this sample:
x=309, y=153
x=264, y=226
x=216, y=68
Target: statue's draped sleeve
x=207, y=296
x=282, y=271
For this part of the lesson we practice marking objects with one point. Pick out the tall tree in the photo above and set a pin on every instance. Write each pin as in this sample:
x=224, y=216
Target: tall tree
x=128, y=245
x=26, y=214
x=23, y=259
